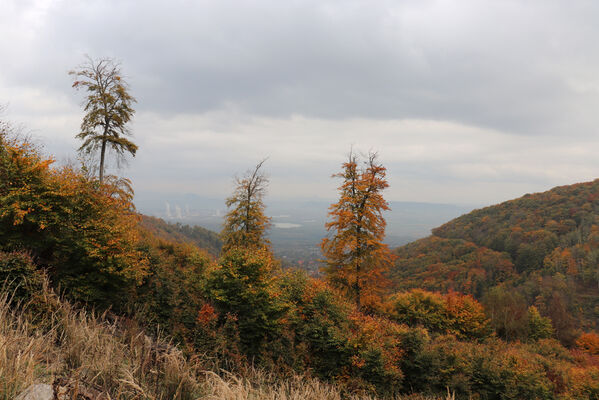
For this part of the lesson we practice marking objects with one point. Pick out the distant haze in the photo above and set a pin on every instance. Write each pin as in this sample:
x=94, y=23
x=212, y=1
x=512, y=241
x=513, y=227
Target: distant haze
x=298, y=222
x=467, y=102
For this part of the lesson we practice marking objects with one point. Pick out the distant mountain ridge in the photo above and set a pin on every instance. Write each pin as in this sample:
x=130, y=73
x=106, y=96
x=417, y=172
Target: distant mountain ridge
x=543, y=246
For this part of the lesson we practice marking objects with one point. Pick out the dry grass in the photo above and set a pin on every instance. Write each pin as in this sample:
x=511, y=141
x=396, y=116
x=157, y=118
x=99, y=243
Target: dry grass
x=118, y=359
x=262, y=386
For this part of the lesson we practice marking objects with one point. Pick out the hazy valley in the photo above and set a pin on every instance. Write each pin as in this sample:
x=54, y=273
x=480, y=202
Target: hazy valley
x=298, y=226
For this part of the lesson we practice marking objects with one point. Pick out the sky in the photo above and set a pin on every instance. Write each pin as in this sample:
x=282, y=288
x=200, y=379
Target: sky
x=466, y=102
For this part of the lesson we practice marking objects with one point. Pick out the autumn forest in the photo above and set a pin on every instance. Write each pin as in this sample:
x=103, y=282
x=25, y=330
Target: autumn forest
x=500, y=303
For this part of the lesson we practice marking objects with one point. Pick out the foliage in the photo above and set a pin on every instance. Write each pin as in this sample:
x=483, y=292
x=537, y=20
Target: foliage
x=539, y=250
x=329, y=337
x=19, y=276
x=70, y=224
x=108, y=108
x=440, y=264
x=172, y=291
x=319, y=322
x=196, y=235
x=531, y=227
x=451, y=313
x=245, y=223
x=491, y=370
x=589, y=342
x=507, y=310
x=539, y=327
x=242, y=285
x=356, y=257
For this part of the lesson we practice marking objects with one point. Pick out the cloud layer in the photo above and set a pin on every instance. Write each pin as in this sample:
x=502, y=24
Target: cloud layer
x=466, y=101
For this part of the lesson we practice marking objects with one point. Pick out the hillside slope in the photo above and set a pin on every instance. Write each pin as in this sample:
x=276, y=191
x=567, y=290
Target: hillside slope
x=543, y=248
x=89, y=356
x=201, y=237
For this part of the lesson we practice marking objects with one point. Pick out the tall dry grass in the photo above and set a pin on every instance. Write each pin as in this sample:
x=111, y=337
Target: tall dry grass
x=48, y=338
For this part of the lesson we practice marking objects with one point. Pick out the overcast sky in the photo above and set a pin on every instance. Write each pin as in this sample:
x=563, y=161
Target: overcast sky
x=466, y=101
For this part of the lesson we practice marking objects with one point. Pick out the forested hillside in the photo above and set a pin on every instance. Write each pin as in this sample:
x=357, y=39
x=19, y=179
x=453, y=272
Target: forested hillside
x=201, y=237
x=240, y=313
x=541, y=249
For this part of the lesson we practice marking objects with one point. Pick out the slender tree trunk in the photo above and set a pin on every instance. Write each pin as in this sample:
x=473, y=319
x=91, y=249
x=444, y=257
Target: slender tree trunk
x=247, y=209
x=358, y=302
x=102, y=153
x=358, y=267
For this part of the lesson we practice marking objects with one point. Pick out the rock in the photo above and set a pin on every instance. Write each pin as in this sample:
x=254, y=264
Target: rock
x=38, y=391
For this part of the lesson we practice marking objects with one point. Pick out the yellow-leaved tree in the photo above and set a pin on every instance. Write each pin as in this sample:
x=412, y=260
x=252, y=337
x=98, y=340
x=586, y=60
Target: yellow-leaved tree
x=108, y=109
x=245, y=223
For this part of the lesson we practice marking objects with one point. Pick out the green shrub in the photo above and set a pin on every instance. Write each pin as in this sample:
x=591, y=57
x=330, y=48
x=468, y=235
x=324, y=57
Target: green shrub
x=242, y=285
x=19, y=275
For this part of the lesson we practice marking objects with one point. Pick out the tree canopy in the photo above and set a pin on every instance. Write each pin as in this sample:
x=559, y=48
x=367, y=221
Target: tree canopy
x=108, y=109
x=83, y=233
x=356, y=256
x=246, y=224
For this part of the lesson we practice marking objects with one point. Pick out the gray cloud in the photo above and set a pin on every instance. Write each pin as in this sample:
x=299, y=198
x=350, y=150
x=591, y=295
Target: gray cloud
x=465, y=100
x=518, y=66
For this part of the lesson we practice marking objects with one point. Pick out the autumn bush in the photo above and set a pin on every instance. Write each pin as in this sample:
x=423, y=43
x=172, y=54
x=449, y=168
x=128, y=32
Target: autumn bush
x=81, y=232
x=490, y=370
x=451, y=313
x=318, y=324
x=589, y=342
x=332, y=339
x=171, y=293
x=539, y=327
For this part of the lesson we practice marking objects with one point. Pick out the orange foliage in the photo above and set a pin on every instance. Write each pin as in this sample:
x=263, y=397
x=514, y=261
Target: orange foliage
x=207, y=315
x=589, y=342
x=84, y=232
x=356, y=256
x=451, y=313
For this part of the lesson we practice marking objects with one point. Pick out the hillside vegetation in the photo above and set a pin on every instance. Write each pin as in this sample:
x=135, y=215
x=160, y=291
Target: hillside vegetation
x=126, y=286
x=48, y=340
x=201, y=237
x=541, y=249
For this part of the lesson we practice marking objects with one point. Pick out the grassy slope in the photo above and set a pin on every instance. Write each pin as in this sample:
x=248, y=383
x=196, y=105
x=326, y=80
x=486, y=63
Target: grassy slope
x=49, y=338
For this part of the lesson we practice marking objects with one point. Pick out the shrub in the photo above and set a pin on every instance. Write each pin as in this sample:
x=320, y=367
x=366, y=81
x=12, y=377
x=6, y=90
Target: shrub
x=19, y=276
x=589, y=342
x=451, y=313
x=539, y=327
x=492, y=370
x=361, y=352
x=242, y=285
x=83, y=232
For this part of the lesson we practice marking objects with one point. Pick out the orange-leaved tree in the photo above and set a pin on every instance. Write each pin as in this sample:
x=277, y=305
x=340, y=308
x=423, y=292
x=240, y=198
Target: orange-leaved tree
x=356, y=257
x=245, y=223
